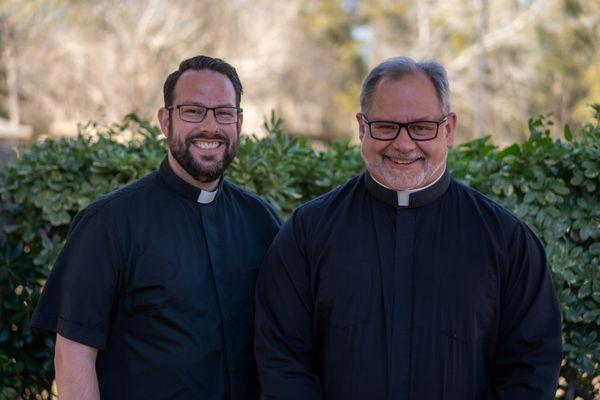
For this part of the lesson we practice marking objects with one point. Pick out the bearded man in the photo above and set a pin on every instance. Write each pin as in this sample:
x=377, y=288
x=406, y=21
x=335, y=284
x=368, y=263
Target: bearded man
x=404, y=283
x=152, y=295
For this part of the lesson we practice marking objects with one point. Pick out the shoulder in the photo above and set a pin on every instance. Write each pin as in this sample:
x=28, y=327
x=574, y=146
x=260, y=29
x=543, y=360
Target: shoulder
x=321, y=212
x=123, y=200
x=488, y=207
x=331, y=200
x=249, y=201
x=489, y=212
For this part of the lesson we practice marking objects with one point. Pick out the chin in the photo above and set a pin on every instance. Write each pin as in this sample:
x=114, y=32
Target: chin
x=402, y=181
x=405, y=182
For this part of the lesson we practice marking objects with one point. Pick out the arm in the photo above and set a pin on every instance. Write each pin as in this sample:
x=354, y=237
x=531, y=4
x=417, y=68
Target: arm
x=284, y=340
x=528, y=351
x=75, y=366
x=77, y=303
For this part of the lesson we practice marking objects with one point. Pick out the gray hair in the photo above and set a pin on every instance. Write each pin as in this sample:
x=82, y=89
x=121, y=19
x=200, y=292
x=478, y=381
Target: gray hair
x=396, y=68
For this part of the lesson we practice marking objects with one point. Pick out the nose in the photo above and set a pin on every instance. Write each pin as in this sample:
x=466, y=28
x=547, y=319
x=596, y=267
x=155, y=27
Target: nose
x=210, y=124
x=403, y=142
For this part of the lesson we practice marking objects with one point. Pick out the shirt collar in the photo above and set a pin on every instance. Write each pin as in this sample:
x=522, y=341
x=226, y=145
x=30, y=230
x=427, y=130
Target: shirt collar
x=408, y=198
x=185, y=189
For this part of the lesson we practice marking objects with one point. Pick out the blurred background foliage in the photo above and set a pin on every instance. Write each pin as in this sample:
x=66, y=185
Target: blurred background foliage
x=550, y=183
x=65, y=61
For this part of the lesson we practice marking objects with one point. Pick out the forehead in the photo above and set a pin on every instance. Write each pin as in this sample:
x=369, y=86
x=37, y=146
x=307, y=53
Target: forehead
x=204, y=86
x=412, y=96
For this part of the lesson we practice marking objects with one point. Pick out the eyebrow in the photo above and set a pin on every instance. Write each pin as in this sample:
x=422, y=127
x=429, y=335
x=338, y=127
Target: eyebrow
x=421, y=118
x=193, y=103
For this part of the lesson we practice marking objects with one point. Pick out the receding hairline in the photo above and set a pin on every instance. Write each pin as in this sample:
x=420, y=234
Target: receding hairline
x=198, y=63
x=397, y=68
x=398, y=77
x=210, y=71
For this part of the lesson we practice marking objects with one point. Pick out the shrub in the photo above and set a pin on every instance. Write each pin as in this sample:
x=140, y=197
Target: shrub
x=288, y=172
x=551, y=184
x=42, y=192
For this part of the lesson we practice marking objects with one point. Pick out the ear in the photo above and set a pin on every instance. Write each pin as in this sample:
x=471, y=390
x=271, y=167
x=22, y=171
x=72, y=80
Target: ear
x=450, y=129
x=361, y=126
x=163, y=120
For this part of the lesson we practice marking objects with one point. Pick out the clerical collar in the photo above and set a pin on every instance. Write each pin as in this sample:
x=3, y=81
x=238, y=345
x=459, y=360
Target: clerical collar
x=185, y=189
x=408, y=198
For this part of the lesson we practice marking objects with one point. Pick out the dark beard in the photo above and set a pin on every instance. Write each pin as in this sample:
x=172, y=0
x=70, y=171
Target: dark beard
x=202, y=172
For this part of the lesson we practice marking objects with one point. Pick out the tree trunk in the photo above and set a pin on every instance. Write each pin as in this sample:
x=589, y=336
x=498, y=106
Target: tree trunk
x=479, y=107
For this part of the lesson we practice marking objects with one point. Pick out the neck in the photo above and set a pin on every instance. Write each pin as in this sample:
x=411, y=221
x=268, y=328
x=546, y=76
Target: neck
x=183, y=174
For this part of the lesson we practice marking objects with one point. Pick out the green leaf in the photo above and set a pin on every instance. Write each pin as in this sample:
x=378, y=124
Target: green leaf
x=561, y=189
x=584, y=291
x=529, y=197
x=591, y=173
x=550, y=197
x=577, y=179
x=590, y=186
x=567, y=133
x=8, y=393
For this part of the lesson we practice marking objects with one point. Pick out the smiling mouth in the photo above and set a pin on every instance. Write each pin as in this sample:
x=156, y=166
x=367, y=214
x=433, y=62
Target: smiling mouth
x=403, y=162
x=206, y=144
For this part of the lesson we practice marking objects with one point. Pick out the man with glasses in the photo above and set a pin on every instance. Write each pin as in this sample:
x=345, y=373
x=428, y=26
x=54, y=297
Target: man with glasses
x=404, y=283
x=152, y=295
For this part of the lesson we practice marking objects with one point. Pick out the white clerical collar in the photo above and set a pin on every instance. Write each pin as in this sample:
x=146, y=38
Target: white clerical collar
x=207, y=197
x=410, y=197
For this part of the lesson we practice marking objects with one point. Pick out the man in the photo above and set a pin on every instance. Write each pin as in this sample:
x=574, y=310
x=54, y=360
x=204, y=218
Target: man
x=152, y=295
x=403, y=283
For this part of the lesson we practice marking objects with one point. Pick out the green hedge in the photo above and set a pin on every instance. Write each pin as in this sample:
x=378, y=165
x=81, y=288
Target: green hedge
x=551, y=184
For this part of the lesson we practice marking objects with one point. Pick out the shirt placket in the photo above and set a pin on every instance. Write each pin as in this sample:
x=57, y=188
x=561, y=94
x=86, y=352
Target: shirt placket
x=214, y=242
x=402, y=304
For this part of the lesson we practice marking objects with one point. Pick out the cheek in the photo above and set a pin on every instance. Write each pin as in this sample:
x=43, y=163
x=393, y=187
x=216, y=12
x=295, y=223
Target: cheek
x=232, y=132
x=371, y=152
x=433, y=151
x=374, y=147
x=182, y=129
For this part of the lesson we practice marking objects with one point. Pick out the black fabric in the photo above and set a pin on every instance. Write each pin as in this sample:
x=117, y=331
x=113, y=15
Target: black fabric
x=164, y=287
x=416, y=199
x=358, y=299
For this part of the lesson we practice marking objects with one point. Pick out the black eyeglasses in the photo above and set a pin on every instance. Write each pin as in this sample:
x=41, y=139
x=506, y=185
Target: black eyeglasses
x=417, y=130
x=195, y=113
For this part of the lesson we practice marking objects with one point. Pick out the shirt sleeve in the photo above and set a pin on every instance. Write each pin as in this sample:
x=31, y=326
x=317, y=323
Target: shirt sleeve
x=528, y=352
x=78, y=297
x=284, y=339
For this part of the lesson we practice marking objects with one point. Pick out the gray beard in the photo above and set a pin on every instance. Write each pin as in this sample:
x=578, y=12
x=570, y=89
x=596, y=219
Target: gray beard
x=408, y=183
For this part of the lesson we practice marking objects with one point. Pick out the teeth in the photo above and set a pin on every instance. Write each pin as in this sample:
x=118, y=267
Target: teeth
x=206, y=145
x=402, y=162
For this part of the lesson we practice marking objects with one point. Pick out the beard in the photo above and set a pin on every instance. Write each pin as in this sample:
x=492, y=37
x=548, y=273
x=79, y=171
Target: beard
x=404, y=181
x=204, y=169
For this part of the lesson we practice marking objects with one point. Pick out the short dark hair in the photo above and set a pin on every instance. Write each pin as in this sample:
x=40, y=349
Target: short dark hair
x=398, y=67
x=199, y=63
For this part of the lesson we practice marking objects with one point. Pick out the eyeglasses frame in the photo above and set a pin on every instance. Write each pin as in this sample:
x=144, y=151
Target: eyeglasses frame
x=178, y=107
x=405, y=125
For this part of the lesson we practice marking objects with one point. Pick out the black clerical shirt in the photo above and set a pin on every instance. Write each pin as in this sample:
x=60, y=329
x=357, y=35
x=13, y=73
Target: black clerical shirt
x=448, y=297
x=159, y=276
